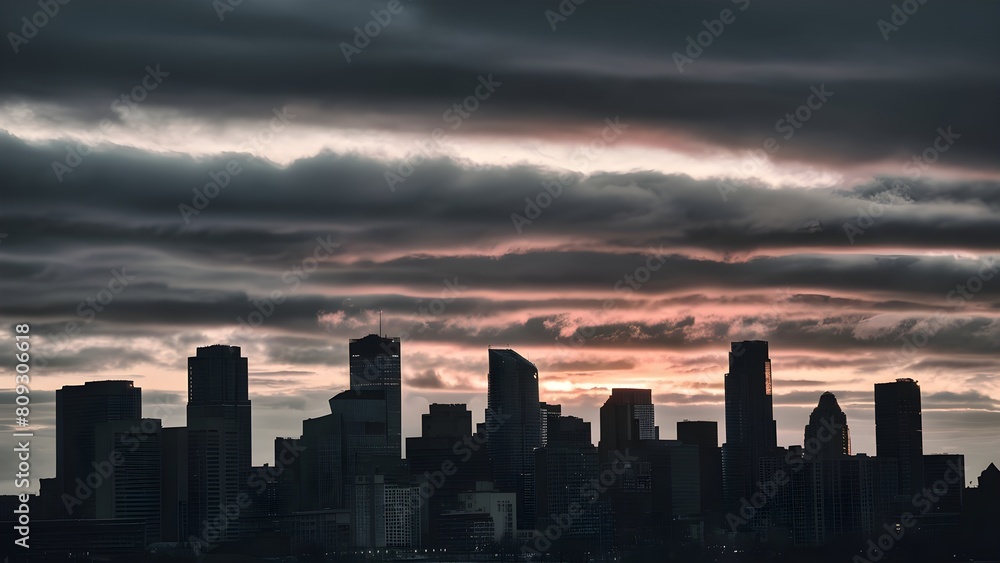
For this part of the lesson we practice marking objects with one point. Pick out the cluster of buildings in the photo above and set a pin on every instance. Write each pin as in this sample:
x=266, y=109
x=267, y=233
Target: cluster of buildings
x=528, y=480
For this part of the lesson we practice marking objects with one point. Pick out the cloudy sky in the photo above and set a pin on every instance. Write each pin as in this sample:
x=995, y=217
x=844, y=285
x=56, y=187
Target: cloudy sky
x=617, y=191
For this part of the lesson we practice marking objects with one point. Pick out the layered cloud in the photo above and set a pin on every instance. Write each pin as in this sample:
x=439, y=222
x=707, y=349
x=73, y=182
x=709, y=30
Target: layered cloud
x=616, y=219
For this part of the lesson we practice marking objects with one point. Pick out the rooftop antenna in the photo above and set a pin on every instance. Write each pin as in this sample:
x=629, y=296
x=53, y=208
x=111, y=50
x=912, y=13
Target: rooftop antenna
x=380, y=322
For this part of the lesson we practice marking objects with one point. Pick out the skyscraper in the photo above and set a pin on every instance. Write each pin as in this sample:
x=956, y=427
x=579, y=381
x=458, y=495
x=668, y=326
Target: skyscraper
x=627, y=416
x=375, y=366
x=705, y=435
x=514, y=416
x=899, y=431
x=133, y=488
x=751, y=432
x=79, y=408
x=827, y=435
x=218, y=418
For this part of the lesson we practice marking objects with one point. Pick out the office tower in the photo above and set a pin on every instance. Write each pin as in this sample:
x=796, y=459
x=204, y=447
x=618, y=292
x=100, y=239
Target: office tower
x=174, y=493
x=486, y=518
x=79, y=408
x=675, y=478
x=132, y=490
x=386, y=508
x=547, y=412
x=513, y=419
x=705, y=435
x=218, y=423
x=446, y=421
x=626, y=417
x=321, y=466
x=288, y=454
x=375, y=366
x=898, y=431
x=565, y=470
x=445, y=461
x=751, y=432
x=944, y=478
x=827, y=435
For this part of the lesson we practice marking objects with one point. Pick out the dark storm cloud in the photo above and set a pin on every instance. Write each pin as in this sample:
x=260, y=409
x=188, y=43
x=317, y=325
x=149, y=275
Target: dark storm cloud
x=889, y=96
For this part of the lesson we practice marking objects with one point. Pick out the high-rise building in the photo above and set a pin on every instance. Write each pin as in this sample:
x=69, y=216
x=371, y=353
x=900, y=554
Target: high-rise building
x=899, y=431
x=132, y=490
x=514, y=415
x=565, y=470
x=626, y=417
x=375, y=366
x=705, y=435
x=174, y=475
x=79, y=408
x=751, y=432
x=218, y=423
x=447, y=421
x=827, y=435
x=548, y=412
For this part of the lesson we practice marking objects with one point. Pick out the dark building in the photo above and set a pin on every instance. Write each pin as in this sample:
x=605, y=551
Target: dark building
x=446, y=421
x=79, y=409
x=944, y=478
x=218, y=429
x=132, y=490
x=626, y=417
x=445, y=461
x=827, y=435
x=751, y=432
x=565, y=470
x=288, y=454
x=705, y=435
x=514, y=416
x=548, y=412
x=174, y=489
x=899, y=431
x=375, y=366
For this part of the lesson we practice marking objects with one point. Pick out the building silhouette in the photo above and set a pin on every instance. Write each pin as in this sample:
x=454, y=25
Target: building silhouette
x=375, y=366
x=79, y=409
x=899, y=431
x=133, y=489
x=218, y=431
x=827, y=435
x=751, y=432
x=705, y=435
x=513, y=411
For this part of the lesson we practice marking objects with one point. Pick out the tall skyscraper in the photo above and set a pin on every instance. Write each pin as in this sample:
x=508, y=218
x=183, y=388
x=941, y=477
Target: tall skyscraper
x=133, y=488
x=751, y=432
x=79, y=408
x=375, y=366
x=627, y=416
x=705, y=435
x=514, y=419
x=827, y=435
x=218, y=422
x=548, y=413
x=899, y=431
